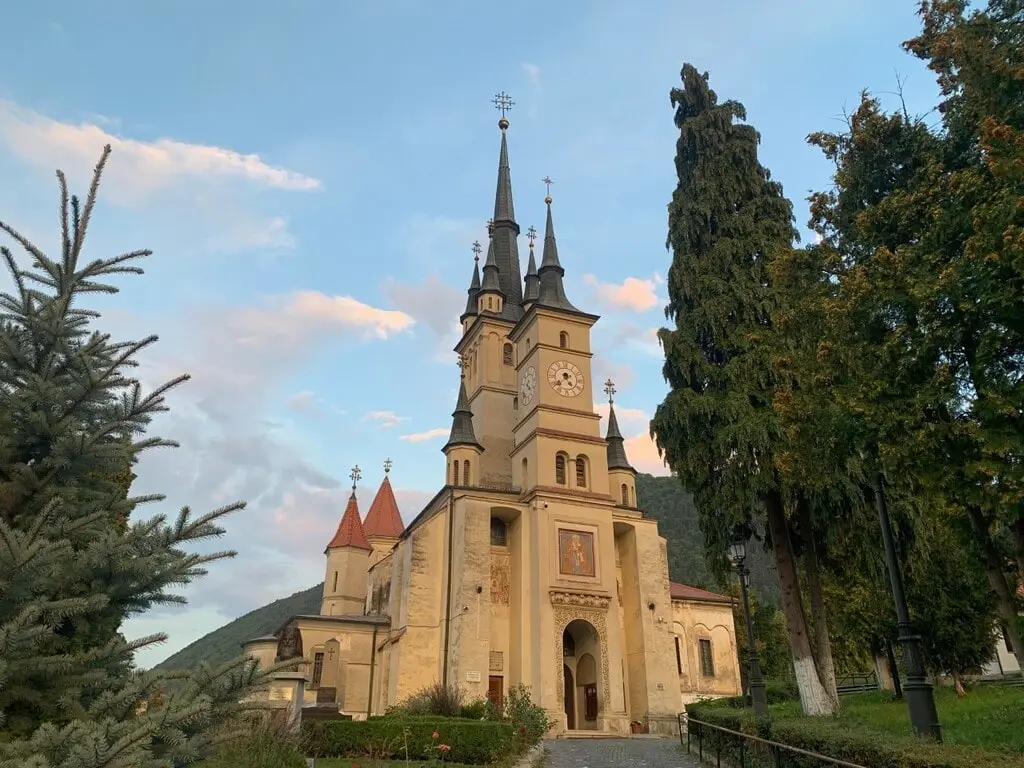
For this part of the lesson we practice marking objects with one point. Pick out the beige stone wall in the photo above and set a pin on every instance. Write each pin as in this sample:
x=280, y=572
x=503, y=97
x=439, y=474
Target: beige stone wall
x=691, y=622
x=378, y=586
x=345, y=577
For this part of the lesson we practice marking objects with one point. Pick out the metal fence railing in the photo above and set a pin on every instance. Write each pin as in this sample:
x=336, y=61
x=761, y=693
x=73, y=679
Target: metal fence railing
x=746, y=751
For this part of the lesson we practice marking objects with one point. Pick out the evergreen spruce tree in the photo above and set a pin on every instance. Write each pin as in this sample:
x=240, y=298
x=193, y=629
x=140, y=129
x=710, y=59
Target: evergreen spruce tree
x=717, y=427
x=72, y=422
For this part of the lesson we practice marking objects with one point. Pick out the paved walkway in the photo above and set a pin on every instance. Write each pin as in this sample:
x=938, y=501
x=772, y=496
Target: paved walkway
x=618, y=753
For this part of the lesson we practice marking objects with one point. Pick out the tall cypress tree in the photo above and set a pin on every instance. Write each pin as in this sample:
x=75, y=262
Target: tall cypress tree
x=72, y=421
x=717, y=426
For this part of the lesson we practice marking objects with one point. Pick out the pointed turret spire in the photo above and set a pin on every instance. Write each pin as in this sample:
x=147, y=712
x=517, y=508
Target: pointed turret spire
x=350, y=531
x=532, y=290
x=616, y=448
x=552, y=291
x=506, y=230
x=384, y=519
x=462, y=421
x=492, y=280
x=474, y=284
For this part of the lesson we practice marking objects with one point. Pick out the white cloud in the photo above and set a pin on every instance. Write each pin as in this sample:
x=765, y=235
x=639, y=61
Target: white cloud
x=629, y=419
x=421, y=437
x=621, y=375
x=635, y=294
x=385, y=419
x=532, y=72
x=143, y=166
x=640, y=447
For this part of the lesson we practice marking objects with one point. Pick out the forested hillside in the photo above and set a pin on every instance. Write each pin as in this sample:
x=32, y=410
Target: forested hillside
x=661, y=498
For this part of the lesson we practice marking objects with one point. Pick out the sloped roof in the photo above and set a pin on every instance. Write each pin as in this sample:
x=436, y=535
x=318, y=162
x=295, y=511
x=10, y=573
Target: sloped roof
x=686, y=592
x=350, y=531
x=384, y=519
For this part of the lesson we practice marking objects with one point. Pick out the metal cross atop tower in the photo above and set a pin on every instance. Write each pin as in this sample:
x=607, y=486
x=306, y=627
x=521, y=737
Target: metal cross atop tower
x=355, y=474
x=476, y=250
x=531, y=235
x=503, y=103
x=387, y=465
x=609, y=389
x=548, y=182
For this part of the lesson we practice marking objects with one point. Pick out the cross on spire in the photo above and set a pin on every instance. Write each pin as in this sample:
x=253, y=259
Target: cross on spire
x=503, y=104
x=548, y=182
x=609, y=389
x=490, y=226
x=476, y=250
x=531, y=235
x=355, y=474
x=387, y=465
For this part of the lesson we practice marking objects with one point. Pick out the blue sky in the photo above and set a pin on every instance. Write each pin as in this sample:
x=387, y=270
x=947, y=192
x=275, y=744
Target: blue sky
x=311, y=177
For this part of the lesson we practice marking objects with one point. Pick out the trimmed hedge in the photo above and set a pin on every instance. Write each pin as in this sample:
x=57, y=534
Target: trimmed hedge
x=831, y=737
x=474, y=742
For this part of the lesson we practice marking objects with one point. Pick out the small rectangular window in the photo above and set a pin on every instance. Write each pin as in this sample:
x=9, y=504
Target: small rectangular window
x=707, y=661
x=318, y=669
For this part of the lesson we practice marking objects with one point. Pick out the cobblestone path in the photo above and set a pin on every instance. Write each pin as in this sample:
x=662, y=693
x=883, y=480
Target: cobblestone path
x=618, y=753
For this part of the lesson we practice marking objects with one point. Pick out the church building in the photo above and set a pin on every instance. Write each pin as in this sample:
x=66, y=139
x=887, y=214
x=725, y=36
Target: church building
x=533, y=563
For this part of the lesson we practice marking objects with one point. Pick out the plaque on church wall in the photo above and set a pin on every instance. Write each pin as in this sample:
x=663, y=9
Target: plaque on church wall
x=576, y=553
x=497, y=661
x=473, y=677
x=281, y=693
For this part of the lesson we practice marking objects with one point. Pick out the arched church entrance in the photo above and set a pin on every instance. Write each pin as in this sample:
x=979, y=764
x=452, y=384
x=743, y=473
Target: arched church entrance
x=581, y=649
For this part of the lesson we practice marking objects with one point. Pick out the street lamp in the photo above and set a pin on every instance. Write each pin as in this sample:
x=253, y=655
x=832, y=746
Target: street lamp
x=924, y=718
x=738, y=555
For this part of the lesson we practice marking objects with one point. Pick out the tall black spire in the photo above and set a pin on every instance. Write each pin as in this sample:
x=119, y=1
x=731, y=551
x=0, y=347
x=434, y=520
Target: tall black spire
x=506, y=231
x=474, y=285
x=552, y=292
x=532, y=280
x=462, y=421
x=616, y=448
x=492, y=275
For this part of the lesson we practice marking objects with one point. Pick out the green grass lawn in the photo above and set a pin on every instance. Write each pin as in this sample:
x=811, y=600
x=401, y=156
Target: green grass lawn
x=989, y=716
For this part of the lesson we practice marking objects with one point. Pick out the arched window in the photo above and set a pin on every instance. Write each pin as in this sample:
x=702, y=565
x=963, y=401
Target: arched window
x=465, y=472
x=499, y=532
x=563, y=340
x=581, y=471
x=515, y=403
x=490, y=302
x=625, y=495
x=560, y=462
x=506, y=354
x=526, y=473
x=455, y=473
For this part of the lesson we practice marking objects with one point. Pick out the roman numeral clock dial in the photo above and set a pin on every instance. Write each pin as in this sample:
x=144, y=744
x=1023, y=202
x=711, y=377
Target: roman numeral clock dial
x=565, y=378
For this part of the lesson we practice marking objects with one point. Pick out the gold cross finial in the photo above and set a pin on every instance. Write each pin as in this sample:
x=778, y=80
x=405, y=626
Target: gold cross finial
x=531, y=235
x=548, y=182
x=476, y=250
x=490, y=227
x=609, y=389
x=503, y=104
x=387, y=465
x=463, y=364
x=355, y=474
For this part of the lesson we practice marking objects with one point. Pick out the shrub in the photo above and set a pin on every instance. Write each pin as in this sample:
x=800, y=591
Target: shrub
x=475, y=710
x=831, y=737
x=475, y=742
x=529, y=721
x=267, y=744
x=439, y=699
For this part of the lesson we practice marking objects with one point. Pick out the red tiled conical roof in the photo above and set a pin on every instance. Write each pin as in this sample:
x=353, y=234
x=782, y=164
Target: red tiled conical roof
x=350, y=531
x=384, y=519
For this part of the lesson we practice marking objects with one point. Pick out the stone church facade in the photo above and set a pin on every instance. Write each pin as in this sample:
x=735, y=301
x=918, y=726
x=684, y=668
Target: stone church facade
x=533, y=563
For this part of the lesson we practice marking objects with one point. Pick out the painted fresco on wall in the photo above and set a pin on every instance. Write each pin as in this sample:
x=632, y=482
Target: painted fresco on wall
x=576, y=553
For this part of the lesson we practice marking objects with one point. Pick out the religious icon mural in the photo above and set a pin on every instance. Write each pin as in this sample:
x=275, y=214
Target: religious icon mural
x=576, y=553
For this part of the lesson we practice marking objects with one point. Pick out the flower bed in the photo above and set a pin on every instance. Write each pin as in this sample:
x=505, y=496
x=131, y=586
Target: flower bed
x=454, y=740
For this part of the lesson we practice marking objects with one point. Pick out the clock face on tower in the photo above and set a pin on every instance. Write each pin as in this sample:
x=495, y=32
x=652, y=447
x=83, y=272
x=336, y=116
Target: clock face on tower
x=528, y=387
x=565, y=378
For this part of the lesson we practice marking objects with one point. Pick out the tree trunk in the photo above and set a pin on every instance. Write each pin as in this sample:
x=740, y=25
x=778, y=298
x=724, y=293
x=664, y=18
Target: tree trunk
x=958, y=684
x=997, y=580
x=894, y=670
x=882, y=672
x=822, y=646
x=1018, y=546
x=813, y=697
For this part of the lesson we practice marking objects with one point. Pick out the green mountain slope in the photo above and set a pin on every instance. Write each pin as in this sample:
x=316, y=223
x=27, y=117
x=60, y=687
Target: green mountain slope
x=661, y=498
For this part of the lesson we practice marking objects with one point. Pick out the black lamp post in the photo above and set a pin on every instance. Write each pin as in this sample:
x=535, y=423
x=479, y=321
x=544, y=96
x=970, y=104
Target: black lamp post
x=924, y=717
x=738, y=555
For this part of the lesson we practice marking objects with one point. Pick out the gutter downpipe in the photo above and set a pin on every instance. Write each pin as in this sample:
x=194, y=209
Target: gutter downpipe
x=373, y=662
